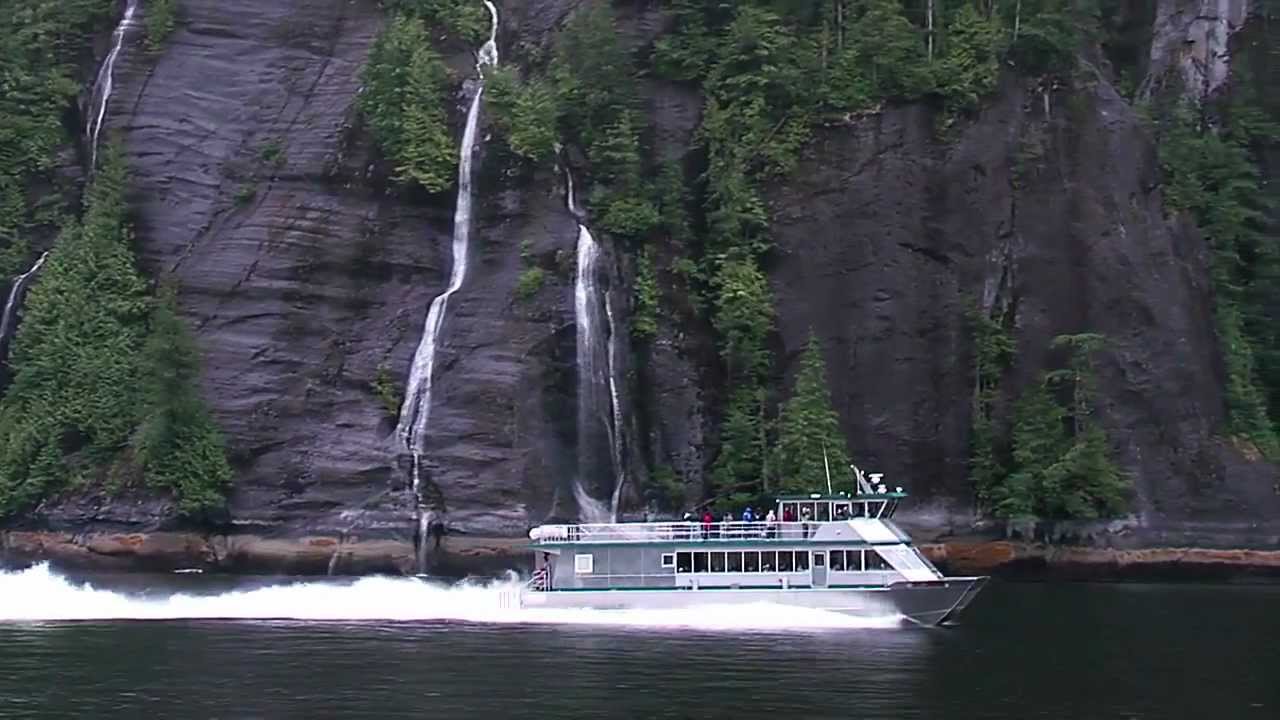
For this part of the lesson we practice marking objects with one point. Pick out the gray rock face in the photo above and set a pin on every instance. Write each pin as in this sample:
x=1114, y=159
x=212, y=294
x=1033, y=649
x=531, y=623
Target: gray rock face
x=886, y=237
x=1190, y=44
x=305, y=278
x=299, y=279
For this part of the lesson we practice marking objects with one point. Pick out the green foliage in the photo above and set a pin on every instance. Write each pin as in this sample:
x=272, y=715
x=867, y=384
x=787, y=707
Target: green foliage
x=246, y=193
x=177, y=444
x=525, y=113
x=1212, y=176
x=467, y=20
x=890, y=51
x=84, y=381
x=529, y=283
x=403, y=101
x=1060, y=466
x=625, y=209
x=1046, y=34
x=160, y=16
x=809, y=437
x=594, y=80
x=970, y=65
x=993, y=352
x=593, y=75
x=644, y=316
x=669, y=491
x=272, y=153
x=384, y=387
x=740, y=467
x=40, y=43
x=743, y=318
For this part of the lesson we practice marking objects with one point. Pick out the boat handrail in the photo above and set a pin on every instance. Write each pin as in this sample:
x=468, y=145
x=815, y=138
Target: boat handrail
x=675, y=531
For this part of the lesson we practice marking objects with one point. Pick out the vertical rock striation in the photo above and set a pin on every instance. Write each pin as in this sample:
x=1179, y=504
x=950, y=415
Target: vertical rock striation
x=888, y=237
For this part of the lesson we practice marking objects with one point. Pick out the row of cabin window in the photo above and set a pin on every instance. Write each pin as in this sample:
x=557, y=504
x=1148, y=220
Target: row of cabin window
x=827, y=511
x=739, y=561
x=853, y=560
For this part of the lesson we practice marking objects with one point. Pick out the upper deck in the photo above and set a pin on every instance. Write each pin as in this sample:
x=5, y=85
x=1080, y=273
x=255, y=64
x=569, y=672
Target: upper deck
x=806, y=516
x=753, y=533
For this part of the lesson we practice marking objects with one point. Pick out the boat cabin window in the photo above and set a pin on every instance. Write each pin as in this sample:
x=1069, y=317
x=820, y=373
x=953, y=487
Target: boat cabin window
x=837, y=560
x=717, y=562
x=847, y=560
x=739, y=561
x=841, y=511
x=819, y=559
x=668, y=560
x=875, y=562
x=822, y=512
x=583, y=564
x=733, y=562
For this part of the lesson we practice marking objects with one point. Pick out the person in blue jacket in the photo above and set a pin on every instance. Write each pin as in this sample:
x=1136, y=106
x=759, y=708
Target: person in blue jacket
x=748, y=515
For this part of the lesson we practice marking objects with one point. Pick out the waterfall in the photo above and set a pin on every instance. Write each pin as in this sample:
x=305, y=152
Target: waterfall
x=599, y=409
x=7, y=325
x=102, y=85
x=412, y=426
x=620, y=475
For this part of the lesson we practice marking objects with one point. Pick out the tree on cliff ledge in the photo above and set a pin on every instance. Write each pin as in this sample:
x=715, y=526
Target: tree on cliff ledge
x=808, y=428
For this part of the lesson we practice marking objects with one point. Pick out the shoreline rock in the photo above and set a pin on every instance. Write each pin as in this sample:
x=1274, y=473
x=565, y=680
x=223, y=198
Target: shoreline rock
x=459, y=556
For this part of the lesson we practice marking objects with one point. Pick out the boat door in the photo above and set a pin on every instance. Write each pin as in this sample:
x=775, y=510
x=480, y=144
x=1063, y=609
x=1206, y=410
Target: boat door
x=818, y=569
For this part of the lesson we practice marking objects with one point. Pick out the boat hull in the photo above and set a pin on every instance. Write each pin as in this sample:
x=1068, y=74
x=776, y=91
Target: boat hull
x=926, y=603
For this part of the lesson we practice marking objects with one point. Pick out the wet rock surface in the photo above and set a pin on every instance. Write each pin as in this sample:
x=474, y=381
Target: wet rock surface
x=305, y=278
x=1048, y=203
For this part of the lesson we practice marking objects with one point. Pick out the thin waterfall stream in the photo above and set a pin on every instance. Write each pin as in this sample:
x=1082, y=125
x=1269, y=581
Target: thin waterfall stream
x=16, y=294
x=415, y=412
x=98, y=99
x=105, y=82
x=599, y=407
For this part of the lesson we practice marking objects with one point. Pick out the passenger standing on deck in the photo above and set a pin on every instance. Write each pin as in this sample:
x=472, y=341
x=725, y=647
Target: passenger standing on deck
x=772, y=529
x=726, y=524
x=707, y=521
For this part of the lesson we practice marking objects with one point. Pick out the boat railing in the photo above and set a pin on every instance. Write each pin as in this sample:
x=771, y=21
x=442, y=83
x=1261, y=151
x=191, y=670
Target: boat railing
x=674, y=532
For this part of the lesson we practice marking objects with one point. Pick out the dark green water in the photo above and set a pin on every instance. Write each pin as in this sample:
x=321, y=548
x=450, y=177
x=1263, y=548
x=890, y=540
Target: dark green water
x=1023, y=651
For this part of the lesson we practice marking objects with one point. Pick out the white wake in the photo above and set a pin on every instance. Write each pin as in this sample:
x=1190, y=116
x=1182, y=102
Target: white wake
x=40, y=594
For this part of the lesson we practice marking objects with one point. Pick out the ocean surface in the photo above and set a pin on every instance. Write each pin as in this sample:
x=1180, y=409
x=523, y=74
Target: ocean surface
x=191, y=646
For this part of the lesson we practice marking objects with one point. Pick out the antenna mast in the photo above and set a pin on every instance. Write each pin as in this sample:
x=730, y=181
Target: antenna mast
x=827, y=465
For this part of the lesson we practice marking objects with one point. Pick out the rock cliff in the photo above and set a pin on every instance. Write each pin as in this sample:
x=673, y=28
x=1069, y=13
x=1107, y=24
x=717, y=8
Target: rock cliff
x=305, y=275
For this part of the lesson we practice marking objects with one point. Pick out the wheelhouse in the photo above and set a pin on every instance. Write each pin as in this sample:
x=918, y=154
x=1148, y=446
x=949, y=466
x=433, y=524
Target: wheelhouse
x=834, y=508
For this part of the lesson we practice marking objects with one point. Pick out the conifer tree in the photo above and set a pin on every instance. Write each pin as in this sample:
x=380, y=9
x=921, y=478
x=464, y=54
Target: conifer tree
x=889, y=48
x=809, y=436
x=74, y=355
x=403, y=102
x=971, y=64
x=177, y=445
x=739, y=468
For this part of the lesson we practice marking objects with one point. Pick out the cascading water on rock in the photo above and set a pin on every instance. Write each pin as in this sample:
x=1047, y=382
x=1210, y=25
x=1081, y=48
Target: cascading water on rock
x=102, y=86
x=412, y=426
x=98, y=99
x=599, y=409
x=16, y=293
